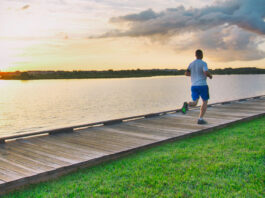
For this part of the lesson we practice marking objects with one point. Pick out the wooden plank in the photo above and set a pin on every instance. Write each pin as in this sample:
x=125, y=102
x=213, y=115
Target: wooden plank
x=226, y=115
x=182, y=118
x=164, y=133
x=75, y=147
x=253, y=102
x=24, y=161
x=245, y=107
x=116, y=143
x=174, y=118
x=221, y=117
x=7, y=176
x=85, y=144
x=61, y=150
x=176, y=121
x=30, y=164
x=217, y=118
x=157, y=127
x=31, y=155
x=12, y=163
x=11, y=174
x=96, y=144
x=113, y=135
x=120, y=139
x=64, y=155
x=17, y=169
x=242, y=111
x=218, y=114
x=240, y=108
x=167, y=126
x=38, y=152
x=212, y=120
x=135, y=133
x=105, y=141
x=230, y=112
x=74, y=143
x=155, y=133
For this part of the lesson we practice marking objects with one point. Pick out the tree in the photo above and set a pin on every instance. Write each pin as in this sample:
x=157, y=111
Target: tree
x=24, y=76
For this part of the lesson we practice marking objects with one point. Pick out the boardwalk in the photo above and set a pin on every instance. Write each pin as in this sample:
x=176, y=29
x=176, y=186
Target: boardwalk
x=25, y=160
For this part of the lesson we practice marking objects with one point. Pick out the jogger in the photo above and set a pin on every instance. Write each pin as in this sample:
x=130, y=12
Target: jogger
x=198, y=71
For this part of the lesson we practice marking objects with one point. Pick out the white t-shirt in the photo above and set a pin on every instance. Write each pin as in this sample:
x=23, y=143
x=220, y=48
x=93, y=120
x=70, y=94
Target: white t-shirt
x=197, y=69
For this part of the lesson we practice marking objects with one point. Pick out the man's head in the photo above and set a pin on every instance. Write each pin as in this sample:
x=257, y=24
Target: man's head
x=199, y=54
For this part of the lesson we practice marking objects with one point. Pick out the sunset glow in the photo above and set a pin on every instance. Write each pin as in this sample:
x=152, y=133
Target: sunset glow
x=98, y=35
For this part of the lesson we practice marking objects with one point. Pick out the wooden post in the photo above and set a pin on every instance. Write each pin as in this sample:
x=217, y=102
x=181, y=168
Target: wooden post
x=113, y=122
x=151, y=115
x=223, y=103
x=65, y=130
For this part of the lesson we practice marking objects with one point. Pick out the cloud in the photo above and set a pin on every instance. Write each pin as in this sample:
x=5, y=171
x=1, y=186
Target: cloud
x=142, y=16
x=226, y=26
x=242, y=13
x=225, y=43
x=25, y=7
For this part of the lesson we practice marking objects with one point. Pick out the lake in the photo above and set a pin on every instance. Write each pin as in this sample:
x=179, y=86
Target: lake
x=27, y=106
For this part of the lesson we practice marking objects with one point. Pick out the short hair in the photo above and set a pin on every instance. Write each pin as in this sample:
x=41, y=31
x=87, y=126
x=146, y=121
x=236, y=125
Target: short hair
x=198, y=53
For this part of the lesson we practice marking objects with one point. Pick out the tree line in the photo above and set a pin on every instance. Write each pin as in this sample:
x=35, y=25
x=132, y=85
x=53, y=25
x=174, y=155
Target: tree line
x=32, y=75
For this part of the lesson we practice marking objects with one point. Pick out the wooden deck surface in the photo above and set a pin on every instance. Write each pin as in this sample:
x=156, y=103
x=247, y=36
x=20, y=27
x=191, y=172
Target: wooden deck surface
x=34, y=159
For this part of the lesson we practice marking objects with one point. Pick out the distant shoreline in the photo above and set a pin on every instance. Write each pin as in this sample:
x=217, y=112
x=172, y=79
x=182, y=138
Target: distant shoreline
x=41, y=75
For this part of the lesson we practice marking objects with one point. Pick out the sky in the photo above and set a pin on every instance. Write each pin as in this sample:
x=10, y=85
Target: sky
x=126, y=34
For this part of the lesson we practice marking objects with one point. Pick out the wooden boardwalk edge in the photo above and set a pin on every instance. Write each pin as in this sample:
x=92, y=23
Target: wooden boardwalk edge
x=110, y=122
x=49, y=175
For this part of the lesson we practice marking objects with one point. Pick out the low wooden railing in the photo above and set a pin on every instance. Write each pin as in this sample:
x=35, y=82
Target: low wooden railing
x=110, y=122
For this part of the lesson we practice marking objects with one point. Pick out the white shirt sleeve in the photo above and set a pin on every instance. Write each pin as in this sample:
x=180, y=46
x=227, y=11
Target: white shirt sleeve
x=205, y=67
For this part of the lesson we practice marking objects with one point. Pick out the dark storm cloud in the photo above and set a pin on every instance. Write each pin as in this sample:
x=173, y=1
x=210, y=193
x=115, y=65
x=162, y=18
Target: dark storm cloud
x=246, y=14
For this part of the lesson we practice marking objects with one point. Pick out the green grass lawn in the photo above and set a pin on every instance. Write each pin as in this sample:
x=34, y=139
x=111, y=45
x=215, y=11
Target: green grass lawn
x=227, y=163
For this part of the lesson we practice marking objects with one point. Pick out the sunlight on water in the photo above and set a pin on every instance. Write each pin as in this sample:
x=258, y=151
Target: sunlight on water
x=27, y=106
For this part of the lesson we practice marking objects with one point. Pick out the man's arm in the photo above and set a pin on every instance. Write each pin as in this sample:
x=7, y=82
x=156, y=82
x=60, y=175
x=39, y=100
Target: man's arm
x=208, y=74
x=187, y=73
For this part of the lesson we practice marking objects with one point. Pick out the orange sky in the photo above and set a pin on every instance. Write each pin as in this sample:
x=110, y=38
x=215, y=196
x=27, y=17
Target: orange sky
x=57, y=36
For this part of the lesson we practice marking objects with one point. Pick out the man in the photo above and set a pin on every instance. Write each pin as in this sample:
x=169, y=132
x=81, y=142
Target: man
x=198, y=71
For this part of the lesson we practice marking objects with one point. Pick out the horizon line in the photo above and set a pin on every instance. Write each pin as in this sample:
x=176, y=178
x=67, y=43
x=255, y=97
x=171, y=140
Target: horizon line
x=125, y=69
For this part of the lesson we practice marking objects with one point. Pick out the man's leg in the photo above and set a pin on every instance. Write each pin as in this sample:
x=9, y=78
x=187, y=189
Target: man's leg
x=195, y=97
x=193, y=103
x=203, y=108
x=186, y=106
x=204, y=92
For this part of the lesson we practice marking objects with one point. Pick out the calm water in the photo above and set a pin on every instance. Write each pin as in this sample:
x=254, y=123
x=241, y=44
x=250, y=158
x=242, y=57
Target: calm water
x=27, y=106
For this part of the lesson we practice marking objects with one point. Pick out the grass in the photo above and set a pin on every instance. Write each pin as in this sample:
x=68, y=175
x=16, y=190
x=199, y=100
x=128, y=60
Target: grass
x=227, y=163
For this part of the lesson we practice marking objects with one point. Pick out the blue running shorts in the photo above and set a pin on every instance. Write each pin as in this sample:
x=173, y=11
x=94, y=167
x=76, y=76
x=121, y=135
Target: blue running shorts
x=197, y=91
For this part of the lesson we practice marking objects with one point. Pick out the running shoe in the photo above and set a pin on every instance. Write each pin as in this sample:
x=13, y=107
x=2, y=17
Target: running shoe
x=184, y=108
x=201, y=121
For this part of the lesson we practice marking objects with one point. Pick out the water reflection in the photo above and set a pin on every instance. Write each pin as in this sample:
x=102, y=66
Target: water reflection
x=27, y=106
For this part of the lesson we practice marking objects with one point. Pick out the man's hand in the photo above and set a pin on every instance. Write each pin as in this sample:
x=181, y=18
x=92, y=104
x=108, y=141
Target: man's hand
x=187, y=73
x=208, y=74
